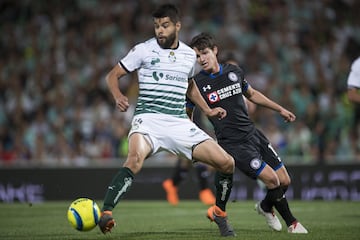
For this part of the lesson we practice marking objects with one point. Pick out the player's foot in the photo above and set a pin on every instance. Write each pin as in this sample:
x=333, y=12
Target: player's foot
x=171, y=192
x=297, y=227
x=207, y=197
x=271, y=219
x=215, y=214
x=106, y=222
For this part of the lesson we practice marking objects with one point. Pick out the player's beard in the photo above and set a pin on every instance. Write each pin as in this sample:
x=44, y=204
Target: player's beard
x=166, y=42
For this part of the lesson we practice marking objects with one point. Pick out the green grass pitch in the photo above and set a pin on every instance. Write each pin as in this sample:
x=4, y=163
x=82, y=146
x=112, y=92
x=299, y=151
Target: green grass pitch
x=139, y=220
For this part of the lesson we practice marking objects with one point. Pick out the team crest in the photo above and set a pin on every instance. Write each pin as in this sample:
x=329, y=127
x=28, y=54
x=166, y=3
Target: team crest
x=232, y=76
x=172, y=56
x=255, y=163
x=213, y=97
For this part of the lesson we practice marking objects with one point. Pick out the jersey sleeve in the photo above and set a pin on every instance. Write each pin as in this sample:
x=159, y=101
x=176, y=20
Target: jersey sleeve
x=192, y=71
x=134, y=58
x=244, y=85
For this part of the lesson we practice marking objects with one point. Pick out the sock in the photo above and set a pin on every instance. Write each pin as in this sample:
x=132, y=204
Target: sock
x=223, y=185
x=282, y=207
x=271, y=196
x=118, y=187
x=180, y=173
x=202, y=175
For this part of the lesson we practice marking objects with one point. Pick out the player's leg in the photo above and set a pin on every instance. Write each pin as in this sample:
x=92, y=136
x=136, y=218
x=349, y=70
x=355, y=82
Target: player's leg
x=273, y=192
x=282, y=205
x=139, y=149
x=276, y=197
x=250, y=159
x=211, y=153
x=181, y=171
x=206, y=195
x=171, y=185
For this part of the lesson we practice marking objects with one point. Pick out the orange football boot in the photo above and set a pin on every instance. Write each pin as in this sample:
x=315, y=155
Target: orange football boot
x=171, y=192
x=207, y=197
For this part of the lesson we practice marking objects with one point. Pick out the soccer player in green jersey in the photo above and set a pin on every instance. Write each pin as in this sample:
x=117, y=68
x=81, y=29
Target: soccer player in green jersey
x=160, y=123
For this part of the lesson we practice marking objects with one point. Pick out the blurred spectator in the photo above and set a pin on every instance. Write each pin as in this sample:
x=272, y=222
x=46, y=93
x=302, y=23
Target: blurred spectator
x=54, y=107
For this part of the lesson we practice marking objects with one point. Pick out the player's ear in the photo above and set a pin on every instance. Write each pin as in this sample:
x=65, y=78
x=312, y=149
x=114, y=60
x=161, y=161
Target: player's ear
x=178, y=26
x=215, y=50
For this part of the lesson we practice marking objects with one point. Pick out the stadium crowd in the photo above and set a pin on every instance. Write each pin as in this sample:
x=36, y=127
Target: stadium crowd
x=55, y=108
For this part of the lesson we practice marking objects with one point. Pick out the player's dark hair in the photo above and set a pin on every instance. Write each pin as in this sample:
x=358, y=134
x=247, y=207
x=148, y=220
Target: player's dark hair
x=202, y=41
x=167, y=10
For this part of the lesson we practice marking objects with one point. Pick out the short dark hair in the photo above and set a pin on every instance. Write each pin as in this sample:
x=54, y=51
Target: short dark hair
x=167, y=10
x=202, y=41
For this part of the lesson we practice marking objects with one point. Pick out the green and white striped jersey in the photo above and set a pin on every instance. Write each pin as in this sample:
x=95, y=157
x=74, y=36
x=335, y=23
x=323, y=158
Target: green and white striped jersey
x=163, y=76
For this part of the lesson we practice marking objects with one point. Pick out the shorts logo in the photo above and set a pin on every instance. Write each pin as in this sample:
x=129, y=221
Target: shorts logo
x=213, y=97
x=136, y=123
x=255, y=163
x=135, y=126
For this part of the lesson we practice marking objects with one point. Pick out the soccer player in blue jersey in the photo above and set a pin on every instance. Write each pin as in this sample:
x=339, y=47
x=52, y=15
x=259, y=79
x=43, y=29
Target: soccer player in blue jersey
x=224, y=85
x=160, y=123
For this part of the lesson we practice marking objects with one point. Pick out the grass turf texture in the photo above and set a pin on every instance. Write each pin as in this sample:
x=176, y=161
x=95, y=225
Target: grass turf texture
x=158, y=220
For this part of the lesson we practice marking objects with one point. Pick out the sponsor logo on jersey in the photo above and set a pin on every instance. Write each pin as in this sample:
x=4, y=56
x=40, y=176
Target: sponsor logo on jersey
x=155, y=52
x=175, y=78
x=154, y=61
x=207, y=87
x=157, y=76
x=224, y=92
x=213, y=97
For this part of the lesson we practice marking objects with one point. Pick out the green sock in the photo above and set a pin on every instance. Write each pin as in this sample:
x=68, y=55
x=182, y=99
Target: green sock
x=223, y=184
x=117, y=188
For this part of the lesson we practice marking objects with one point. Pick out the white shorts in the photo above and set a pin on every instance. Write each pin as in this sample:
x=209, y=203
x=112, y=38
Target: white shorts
x=168, y=133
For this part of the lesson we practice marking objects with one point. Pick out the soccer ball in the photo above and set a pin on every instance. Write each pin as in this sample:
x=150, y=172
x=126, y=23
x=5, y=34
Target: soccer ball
x=83, y=214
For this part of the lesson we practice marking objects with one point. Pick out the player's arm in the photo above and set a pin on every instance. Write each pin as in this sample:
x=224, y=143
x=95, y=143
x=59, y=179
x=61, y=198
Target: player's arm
x=353, y=95
x=258, y=98
x=190, y=106
x=112, y=81
x=194, y=95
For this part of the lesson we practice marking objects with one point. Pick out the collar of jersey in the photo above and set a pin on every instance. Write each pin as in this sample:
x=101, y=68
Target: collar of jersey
x=213, y=75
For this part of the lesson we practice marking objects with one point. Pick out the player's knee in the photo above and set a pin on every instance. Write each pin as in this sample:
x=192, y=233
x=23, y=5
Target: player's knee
x=285, y=182
x=134, y=163
x=271, y=182
x=229, y=165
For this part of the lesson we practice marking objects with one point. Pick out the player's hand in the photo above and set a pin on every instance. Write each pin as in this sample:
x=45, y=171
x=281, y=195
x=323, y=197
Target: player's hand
x=287, y=115
x=218, y=112
x=122, y=103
